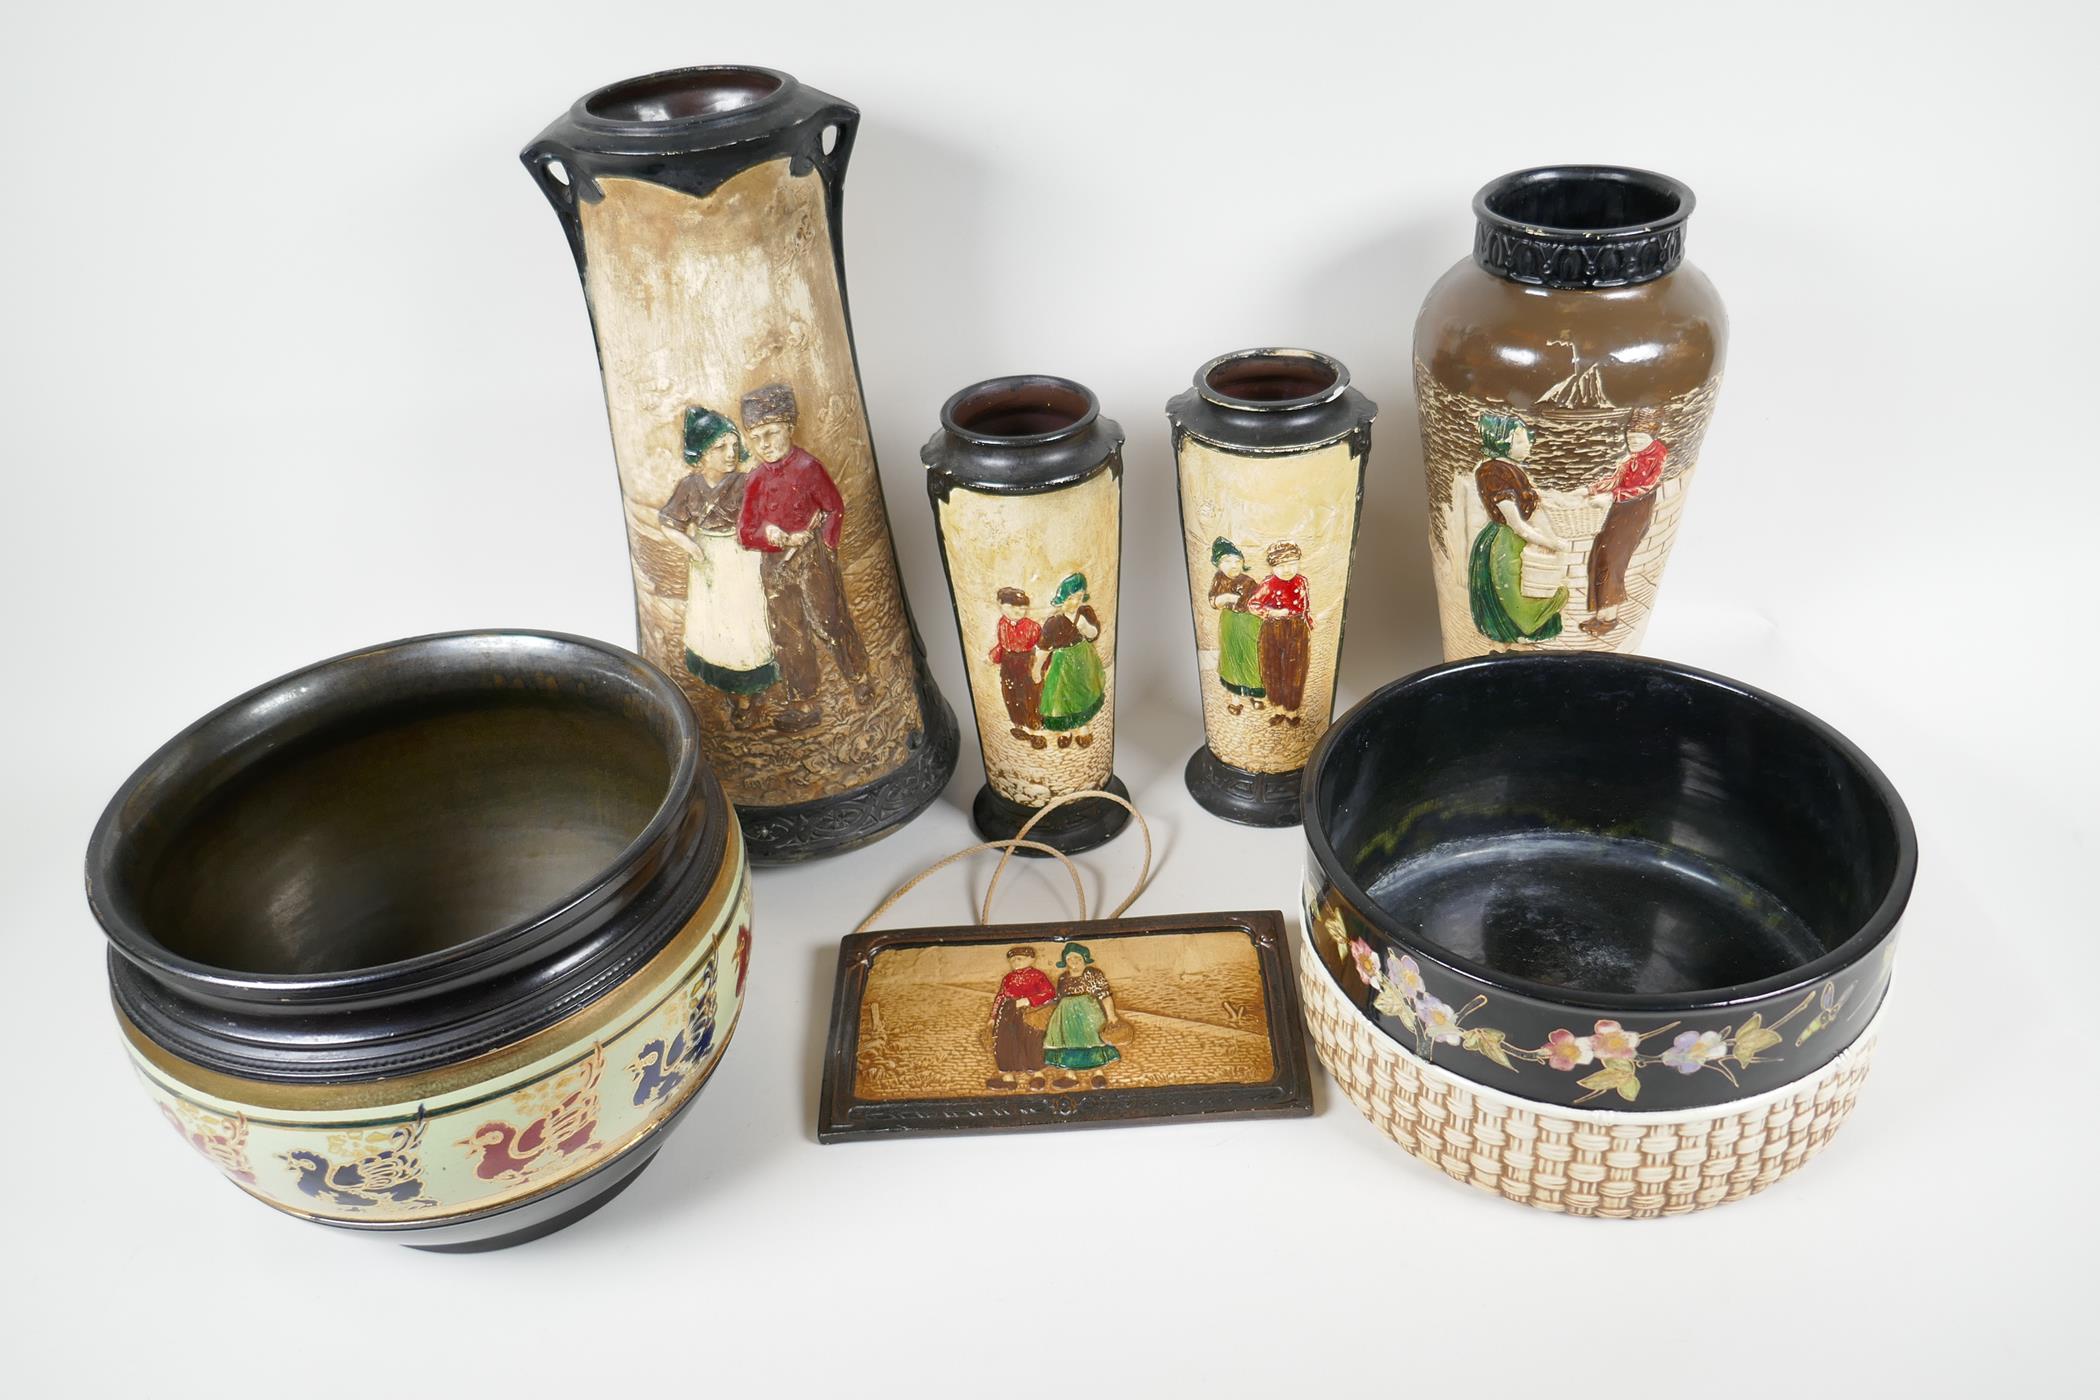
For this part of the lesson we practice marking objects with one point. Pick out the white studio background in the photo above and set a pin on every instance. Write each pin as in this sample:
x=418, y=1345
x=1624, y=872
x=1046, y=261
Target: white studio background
x=295, y=360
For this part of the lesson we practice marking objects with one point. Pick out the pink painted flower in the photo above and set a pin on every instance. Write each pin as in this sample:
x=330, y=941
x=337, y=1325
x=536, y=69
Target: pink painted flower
x=1439, y=1021
x=1613, y=1041
x=1694, y=1050
x=1366, y=962
x=1402, y=972
x=1566, y=1050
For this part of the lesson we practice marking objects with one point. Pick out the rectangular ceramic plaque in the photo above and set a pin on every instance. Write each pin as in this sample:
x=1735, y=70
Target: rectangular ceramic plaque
x=1063, y=1024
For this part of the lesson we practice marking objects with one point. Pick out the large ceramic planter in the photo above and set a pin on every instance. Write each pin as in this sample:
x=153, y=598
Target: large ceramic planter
x=435, y=939
x=1270, y=448
x=703, y=209
x=1600, y=934
x=1026, y=480
x=1565, y=374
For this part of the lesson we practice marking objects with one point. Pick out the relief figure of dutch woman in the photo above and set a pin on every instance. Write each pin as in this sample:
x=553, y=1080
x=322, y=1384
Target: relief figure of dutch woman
x=1073, y=680
x=1014, y=654
x=1073, y=1042
x=1630, y=489
x=728, y=644
x=1284, y=604
x=1516, y=571
x=792, y=517
x=1239, y=627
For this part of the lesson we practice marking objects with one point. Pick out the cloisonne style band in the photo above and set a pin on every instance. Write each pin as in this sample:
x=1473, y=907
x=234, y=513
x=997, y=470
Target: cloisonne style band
x=476, y=1137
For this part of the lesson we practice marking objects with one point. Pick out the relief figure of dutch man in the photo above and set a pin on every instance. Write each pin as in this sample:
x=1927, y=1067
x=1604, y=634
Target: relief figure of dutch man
x=1629, y=492
x=792, y=517
x=728, y=643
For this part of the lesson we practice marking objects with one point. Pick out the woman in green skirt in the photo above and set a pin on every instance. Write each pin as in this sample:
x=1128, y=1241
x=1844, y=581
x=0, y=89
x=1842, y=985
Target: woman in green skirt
x=1072, y=1042
x=1502, y=609
x=1073, y=680
x=1239, y=627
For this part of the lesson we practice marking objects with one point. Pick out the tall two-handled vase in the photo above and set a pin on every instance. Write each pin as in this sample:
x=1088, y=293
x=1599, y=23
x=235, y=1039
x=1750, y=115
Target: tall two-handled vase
x=1026, y=479
x=1566, y=373
x=703, y=209
x=1270, y=447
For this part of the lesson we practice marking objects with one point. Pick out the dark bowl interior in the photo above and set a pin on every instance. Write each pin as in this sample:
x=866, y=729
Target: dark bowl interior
x=1272, y=377
x=1606, y=825
x=392, y=804
x=682, y=94
x=1023, y=407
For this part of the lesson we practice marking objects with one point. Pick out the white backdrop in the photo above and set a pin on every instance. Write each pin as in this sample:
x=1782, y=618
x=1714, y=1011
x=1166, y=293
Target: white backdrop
x=295, y=359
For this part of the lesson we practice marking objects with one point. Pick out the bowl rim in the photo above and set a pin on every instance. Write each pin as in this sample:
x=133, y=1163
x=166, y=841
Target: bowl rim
x=127, y=931
x=1853, y=950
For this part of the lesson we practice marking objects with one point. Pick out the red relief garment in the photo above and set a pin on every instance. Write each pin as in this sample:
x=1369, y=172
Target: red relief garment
x=1029, y=986
x=1017, y=637
x=789, y=494
x=1639, y=474
x=1286, y=594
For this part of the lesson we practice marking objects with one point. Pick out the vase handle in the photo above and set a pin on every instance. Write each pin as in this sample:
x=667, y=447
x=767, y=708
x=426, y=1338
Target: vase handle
x=553, y=168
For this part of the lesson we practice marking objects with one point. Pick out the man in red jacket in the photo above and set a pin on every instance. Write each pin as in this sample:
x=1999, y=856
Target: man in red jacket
x=793, y=515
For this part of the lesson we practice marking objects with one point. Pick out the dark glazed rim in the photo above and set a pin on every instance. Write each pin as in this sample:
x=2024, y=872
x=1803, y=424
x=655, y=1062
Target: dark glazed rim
x=256, y=720
x=1020, y=384
x=1021, y=463
x=1854, y=950
x=1603, y=256
x=784, y=86
x=1333, y=391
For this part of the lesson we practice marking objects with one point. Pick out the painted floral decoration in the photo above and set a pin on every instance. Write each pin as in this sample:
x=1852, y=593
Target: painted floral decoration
x=1399, y=990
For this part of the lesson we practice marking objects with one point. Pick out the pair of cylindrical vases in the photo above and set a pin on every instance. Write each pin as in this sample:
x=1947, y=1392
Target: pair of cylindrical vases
x=1026, y=480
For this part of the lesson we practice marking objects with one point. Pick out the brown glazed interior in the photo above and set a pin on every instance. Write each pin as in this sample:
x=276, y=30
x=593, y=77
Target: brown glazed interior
x=363, y=834
x=1271, y=377
x=1020, y=408
x=682, y=94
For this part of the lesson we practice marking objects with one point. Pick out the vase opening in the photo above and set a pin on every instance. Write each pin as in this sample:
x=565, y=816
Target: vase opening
x=683, y=94
x=1589, y=200
x=1026, y=408
x=1272, y=379
x=343, y=821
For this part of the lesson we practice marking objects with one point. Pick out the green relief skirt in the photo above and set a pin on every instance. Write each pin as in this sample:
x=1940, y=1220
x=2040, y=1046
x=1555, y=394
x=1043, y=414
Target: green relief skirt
x=1072, y=687
x=1494, y=577
x=1239, y=653
x=1073, y=1038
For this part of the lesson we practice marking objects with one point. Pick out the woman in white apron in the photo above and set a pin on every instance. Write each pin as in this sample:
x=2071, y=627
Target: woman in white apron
x=727, y=643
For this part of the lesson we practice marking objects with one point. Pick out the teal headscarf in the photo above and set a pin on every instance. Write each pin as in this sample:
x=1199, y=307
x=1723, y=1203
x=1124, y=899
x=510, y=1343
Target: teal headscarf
x=1074, y=583
x=1079, y=948
x=1222, y=547
x=703, y=429
x=1496, y=429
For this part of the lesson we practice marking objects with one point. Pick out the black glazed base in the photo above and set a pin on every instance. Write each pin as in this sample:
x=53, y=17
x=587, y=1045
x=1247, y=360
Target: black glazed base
x=1072, y=828
x=1241, y=794
x=831, y=825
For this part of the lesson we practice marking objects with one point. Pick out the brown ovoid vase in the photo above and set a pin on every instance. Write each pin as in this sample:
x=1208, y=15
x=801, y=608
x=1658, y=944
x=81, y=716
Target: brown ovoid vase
x=1269, y=447
x=1566, y=373
x=1026, y=479
x=702, y=206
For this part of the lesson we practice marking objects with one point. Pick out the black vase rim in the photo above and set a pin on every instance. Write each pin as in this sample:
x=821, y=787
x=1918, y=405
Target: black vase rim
x=1556, y=252
x=679, y=823
x=1338, y=385
x=1085, y=418
x=1872, y=932
x=584, y=113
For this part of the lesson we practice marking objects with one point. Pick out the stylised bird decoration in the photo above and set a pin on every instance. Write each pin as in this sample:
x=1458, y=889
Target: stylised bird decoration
x=389, y=1174
x=503, y=1150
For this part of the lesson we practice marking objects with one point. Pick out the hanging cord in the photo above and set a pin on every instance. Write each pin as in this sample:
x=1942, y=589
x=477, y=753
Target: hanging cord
x=1020, y=842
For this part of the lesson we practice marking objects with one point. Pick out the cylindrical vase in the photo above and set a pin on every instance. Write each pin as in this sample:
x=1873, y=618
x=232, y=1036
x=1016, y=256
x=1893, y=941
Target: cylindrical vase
x=1269, y=447
x=1026, y=479
x=702, y=206
x=1565, y=373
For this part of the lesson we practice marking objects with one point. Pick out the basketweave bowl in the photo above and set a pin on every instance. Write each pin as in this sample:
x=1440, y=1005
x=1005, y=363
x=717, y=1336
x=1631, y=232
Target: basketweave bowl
x=434, y=940
x=1603, y=934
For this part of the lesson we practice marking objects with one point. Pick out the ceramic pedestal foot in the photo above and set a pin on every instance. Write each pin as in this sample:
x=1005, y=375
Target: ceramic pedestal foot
x=1072, y=828
x=1240, y=794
